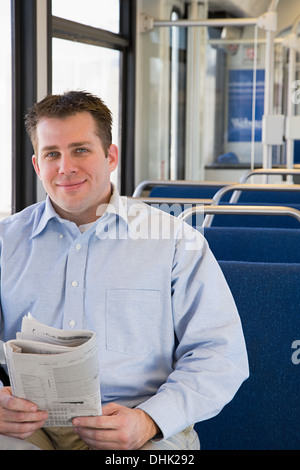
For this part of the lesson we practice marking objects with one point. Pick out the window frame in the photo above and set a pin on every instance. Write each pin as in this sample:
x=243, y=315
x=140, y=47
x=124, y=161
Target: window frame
x=73, y=31
x=25, y=87
x=24, y=93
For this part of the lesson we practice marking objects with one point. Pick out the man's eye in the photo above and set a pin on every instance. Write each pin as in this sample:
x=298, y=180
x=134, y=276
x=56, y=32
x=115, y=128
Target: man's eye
x=81, y=150
x=51, y=155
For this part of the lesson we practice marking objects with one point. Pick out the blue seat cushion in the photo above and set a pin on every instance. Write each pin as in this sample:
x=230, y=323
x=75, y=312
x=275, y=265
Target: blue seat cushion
x=264, y=414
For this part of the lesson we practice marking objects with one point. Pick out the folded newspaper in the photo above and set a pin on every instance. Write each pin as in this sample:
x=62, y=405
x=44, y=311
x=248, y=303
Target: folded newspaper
x=55, y=369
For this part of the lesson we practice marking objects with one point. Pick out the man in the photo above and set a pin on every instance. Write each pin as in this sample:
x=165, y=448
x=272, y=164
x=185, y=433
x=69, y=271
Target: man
x=171, y=347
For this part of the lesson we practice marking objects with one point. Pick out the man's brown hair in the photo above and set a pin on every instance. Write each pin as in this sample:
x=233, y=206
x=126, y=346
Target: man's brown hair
x=68, y=104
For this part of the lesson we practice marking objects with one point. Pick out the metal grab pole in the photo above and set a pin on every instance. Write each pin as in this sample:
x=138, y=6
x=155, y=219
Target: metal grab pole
x=293, y=46
x=207, y=22
x=269, y=84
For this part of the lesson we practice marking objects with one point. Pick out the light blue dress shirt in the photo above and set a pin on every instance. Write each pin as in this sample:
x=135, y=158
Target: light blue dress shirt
x=169, y=335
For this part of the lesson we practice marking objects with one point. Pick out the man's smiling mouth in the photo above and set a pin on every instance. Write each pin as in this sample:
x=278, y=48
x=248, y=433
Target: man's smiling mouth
x=71, y=185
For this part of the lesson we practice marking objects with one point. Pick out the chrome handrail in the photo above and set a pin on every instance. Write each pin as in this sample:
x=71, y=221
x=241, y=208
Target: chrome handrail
x=271, y=171
x=171, y=200
x=151, y=183
x=239, y=210
x=238, y=187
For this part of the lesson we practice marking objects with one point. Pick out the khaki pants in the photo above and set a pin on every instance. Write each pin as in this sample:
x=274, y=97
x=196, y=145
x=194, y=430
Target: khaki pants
x=57, y=439
x=66, y=439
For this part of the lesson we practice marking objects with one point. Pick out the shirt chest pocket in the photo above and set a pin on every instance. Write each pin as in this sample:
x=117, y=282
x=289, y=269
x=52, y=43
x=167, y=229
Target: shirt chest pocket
x=133, y=318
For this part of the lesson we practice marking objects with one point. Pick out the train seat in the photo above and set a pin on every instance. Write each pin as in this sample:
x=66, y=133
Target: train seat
x=269, y=245
x=264, y=415
x=246, y=220
x=187, y=191
x=280, y=198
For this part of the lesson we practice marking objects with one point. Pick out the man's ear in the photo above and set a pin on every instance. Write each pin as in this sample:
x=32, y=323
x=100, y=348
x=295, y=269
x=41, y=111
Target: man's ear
x=36, y=165
x=113, y=157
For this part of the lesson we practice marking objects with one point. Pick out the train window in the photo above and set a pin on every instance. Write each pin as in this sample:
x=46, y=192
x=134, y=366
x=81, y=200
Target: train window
x=90, y=52
x=5, y=109
x=97, y=13
x=96, y=69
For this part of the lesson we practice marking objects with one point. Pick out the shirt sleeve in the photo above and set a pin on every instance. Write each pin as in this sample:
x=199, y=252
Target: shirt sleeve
x=2, y=356
x=210, y=361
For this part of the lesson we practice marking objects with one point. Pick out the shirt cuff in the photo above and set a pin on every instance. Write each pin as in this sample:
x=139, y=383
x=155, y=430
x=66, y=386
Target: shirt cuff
x=167, y=416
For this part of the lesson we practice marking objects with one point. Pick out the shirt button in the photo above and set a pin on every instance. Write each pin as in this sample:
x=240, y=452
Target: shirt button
x=72, y=323
x=78, y=247
x=74, y=283
x=61, y=236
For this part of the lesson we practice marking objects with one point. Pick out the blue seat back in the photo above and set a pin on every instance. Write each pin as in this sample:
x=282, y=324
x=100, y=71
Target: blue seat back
x=264, y=414
x=245, y=220
x=275, y=197
x=269, y=245
x=187, y=191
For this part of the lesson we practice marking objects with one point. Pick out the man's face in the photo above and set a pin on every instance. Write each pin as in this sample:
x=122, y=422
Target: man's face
x=72, y=166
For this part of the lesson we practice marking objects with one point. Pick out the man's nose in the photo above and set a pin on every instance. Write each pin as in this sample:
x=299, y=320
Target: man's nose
x=67, y=164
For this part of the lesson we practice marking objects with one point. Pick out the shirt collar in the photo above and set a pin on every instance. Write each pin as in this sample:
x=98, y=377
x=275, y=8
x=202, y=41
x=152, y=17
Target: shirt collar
x=117, y=205
x=47, y=214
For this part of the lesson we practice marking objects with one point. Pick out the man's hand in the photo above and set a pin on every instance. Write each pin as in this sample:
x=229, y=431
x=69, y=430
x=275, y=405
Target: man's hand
x=19, y=418
x=119, y=428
